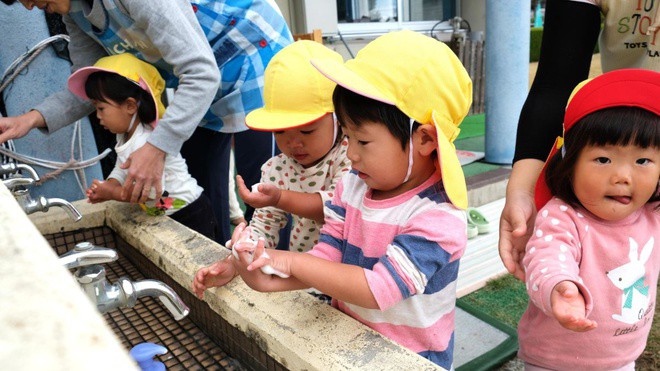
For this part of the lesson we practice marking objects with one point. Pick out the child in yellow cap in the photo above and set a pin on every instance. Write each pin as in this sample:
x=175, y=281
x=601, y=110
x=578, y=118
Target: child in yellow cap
x=297, y=182
x=126, y=93
x=395, y=229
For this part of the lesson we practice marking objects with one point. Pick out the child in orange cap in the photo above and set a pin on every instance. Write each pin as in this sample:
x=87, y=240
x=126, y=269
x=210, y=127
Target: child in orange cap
x=297, y=182
x=592, y=263
x=126, y=93
x=395, y=229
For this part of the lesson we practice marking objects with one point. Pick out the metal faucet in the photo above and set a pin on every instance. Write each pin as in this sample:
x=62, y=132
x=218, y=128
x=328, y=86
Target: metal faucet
x=12, y=168
x=31, y=205
x=124, y=293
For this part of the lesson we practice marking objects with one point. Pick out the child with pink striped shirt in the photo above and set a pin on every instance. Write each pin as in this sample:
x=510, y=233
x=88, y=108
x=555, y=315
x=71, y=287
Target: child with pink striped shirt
x=395, y=229
x=592, y=263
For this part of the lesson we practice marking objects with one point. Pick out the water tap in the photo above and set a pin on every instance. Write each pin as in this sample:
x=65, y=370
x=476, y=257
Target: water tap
x=42, y=203
x=87, y=258
x=12, y=168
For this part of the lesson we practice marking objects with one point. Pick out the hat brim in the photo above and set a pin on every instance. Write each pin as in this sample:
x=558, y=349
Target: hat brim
x=345, y=77
x=263, y=119
x=542, y=192
x=77, y=80
x=453, y=178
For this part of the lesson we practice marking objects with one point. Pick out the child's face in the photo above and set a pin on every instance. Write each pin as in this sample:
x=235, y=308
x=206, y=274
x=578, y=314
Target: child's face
x=308, y=144
x=612, y=182
x=377, y=156
x=113, y=116
x=50, y=6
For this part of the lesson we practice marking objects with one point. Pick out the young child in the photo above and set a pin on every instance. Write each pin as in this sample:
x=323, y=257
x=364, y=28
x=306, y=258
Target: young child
x=126, y=93
x=592, y=263
x=395, y=230
x=297, y=182
x=302, y=178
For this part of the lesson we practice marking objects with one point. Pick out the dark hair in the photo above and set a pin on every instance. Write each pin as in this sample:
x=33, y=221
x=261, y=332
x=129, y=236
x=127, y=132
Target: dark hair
x=9, y=2
x=355, y=109
x=610, y=126
x=104, y=86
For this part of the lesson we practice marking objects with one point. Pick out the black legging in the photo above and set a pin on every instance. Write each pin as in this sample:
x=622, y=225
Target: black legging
x=570, y=33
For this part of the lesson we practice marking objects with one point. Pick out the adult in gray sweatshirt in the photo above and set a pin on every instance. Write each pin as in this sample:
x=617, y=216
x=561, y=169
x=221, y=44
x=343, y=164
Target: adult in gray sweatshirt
x=213, y=52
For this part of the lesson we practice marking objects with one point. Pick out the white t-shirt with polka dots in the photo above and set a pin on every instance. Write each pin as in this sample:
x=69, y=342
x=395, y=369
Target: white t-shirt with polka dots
x=286, y=173
x=615, y=266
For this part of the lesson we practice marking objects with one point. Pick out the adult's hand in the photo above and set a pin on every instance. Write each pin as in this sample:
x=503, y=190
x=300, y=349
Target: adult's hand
x=517, y=221
x=516, y=225
x=18, y=126
x=145, y=170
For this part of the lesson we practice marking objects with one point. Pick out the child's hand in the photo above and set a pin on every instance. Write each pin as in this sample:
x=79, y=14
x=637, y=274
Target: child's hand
x=97, y=192
x=268, y=194
x=216, y=275
x=272, y=262
x=568, y=307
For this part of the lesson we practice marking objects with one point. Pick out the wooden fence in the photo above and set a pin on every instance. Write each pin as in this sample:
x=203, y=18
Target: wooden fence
x=472, y=55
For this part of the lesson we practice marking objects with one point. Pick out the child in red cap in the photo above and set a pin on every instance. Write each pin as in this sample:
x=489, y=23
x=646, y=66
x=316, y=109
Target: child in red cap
x=592, y=263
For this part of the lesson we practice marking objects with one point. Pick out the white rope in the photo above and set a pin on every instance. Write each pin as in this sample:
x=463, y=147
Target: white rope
x=9, y=150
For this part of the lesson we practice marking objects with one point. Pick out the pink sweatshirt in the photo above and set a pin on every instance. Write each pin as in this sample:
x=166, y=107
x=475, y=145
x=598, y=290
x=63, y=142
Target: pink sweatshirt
x=614, y=264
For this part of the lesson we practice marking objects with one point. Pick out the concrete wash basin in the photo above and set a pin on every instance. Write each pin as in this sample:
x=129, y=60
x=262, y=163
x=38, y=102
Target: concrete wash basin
x=234, y=327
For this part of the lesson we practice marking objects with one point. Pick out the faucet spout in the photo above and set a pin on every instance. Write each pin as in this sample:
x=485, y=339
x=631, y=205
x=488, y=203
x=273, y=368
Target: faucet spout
x=66, y=205
x=13, y=183
x=11, y=168
x=167, y=296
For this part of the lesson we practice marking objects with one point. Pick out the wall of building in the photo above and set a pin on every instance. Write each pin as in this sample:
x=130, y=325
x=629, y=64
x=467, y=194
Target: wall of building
x=474, y=11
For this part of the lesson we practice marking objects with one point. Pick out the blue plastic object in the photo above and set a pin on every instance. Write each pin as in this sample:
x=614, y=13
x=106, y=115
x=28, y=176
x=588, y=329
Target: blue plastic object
x=144, y=354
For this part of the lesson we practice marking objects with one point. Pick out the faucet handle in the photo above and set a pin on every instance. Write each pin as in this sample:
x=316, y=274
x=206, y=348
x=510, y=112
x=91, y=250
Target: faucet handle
x=85, y=254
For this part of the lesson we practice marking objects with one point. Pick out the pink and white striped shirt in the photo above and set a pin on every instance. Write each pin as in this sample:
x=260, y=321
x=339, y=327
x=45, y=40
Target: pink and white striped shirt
x=409, y=247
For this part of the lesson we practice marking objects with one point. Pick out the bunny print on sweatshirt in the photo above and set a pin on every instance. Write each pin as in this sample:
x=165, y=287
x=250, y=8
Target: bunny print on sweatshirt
x=629, y=278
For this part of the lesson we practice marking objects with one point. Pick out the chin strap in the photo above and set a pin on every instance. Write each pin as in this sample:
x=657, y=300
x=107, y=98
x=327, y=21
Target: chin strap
x=410, y=152
x=132, y=124
x=335, y=124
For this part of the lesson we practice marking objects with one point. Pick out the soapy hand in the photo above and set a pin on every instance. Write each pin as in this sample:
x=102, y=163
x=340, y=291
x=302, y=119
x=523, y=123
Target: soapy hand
x=242, y=242
x=262, y=194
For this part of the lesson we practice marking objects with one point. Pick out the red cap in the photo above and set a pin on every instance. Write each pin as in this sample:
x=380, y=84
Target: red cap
x=620, y=88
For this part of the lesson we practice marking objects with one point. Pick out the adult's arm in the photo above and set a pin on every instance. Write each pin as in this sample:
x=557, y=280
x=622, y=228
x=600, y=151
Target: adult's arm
x=569, y=37
x=173, y=29
x=570, y=33
x=63, y=108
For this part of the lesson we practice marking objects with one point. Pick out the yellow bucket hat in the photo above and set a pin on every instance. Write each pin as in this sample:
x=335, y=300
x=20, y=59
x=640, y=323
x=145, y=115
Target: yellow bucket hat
x=141, y=73
x=425, y=80
x=295, y=94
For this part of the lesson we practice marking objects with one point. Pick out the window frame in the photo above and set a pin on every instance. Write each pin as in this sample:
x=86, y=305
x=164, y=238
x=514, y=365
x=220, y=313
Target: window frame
x=362, y=28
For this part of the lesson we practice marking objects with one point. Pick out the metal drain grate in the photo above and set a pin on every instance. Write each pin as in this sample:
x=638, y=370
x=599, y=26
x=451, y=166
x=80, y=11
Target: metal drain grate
x=148, y=321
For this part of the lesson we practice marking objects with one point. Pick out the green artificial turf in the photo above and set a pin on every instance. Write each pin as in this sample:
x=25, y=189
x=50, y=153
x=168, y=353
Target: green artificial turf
x=504, y=299
x=472, y=126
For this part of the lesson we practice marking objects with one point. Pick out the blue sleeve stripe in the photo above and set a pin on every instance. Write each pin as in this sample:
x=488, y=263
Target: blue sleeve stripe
x=403, y=288
x=426, y=255
x=440, y=280
x=445, y=358
x=334, y=242
x=340, y=211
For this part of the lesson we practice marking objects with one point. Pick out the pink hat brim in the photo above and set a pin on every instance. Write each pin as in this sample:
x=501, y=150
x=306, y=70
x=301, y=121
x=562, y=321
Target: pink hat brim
x=77, y=80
